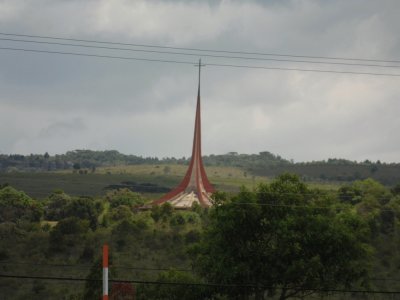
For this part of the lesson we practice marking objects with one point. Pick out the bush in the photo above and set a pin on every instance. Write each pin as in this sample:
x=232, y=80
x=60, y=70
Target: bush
x=84, y=208
x=124, y=197
x=67, y=233
x=184, y=291
x=177, y=220
x=121, y=212
x=16, y=205
x=162, y=212
x=193, y=236
x=57, y=204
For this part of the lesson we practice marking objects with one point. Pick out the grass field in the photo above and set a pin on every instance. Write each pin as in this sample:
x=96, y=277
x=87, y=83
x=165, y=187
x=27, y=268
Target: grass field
x=228, y=179
x=40, y=185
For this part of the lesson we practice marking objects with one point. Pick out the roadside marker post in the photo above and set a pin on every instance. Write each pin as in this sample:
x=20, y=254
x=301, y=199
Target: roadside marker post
x=105, y=272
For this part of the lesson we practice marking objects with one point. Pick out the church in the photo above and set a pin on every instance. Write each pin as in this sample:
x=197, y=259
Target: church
x=195, y=186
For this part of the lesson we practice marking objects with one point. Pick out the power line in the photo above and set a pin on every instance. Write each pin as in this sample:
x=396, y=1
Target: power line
x=88, y=266
x=196, y=284
x=133, y=268
x=302, y=70
x=193, y=63
x=199, y=49
x=99, y=56
x=201, y=54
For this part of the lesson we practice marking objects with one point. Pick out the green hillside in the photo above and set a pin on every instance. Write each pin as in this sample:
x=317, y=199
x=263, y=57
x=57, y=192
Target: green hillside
x=264, y=164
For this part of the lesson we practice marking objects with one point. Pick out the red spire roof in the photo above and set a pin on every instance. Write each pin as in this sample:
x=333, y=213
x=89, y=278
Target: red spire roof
x=195, y=186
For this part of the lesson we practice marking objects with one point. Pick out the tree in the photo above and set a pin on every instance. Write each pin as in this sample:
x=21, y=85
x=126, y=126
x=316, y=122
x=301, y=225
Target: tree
x=69, y=233
x=184, y=287
x=396, y=189
x=16, y=205
x=84, y=208
x=278, y=240
x=124, y=197
x=56, y=205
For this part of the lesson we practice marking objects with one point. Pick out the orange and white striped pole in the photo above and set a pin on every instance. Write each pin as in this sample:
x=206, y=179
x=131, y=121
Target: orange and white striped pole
x=105, y=272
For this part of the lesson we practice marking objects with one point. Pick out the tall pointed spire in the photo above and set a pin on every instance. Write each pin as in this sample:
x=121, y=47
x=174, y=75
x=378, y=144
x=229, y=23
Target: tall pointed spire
x=195, y=186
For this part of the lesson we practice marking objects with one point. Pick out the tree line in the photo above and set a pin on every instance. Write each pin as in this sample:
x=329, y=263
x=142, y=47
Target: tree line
x=261, y=164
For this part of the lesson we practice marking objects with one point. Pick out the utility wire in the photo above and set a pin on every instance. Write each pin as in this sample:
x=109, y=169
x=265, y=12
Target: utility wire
x=99, y=56
x=196, y=284
x=202, y=54
x=136, y=269
x=302, y=70
x=87, y=266
x=130, y=268
x=199, y=49
x=193, y=63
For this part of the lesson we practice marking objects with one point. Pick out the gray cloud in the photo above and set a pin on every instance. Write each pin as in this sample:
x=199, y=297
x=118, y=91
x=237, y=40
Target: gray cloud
x=57, y=103
x=62, y=129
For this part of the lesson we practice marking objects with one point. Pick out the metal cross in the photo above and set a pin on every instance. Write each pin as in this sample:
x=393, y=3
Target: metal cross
x=199, y=65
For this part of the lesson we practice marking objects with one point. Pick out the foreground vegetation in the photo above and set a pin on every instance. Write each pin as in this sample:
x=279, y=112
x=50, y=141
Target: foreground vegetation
x=284, y=239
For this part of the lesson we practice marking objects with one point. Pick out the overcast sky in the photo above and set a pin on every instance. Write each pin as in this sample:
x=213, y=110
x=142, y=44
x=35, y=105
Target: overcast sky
x=56, y=103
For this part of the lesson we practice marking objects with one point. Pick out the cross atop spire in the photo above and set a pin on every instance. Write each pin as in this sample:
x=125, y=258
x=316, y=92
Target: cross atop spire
x=199, y=65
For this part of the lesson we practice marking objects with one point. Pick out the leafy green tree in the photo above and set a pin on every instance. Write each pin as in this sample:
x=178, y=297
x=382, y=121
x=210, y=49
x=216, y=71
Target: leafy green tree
x=192, y=236
x=196, y=207
x=281, y=242
x=16, y=205
x=350, y=194
x=177, y=220
x=156, y=213
x=373, y=189
x=84, y=208
x=219, y=197
x=167, y=209
x=396, y=189
x=162, y=212
x=180, y=289
x=371, y=200
x=124, y=197
x=67, y=233
x=56, y=205
x=121, y=212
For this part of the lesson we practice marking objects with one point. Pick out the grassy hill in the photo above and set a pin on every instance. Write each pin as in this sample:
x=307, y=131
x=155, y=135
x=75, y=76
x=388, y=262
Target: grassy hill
x=237, y=168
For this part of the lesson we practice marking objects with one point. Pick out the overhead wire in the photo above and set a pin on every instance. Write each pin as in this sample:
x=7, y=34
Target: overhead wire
x=198, y=49
x=133, y=268
x=197, y=54
x=204, y=52
x=80, y=266
x=248, y=285
x=302, y=70
x=99, y=55
x=193, y=63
